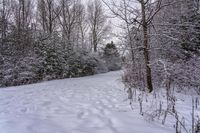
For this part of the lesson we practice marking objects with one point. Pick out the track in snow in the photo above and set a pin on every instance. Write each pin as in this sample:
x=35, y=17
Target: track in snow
x=93, y=104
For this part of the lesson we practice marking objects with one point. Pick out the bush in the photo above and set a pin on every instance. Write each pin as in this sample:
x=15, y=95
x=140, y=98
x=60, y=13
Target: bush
x=82, y=63
x=50, y=55
x=18, y=72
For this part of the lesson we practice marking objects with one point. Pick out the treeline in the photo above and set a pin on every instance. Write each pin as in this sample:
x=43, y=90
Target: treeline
x=50, y=39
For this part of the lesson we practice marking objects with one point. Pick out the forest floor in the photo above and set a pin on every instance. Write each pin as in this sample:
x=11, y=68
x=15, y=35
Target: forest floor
x=93, y=104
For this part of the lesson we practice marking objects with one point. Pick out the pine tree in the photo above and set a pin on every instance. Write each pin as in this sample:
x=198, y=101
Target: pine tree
x=112, y=57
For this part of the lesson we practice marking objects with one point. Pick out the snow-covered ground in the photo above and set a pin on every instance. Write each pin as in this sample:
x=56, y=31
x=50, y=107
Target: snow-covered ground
x=93, y=104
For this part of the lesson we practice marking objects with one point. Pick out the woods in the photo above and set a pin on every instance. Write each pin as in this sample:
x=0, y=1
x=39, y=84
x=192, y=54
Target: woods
x=50, y=39
x=155, y=43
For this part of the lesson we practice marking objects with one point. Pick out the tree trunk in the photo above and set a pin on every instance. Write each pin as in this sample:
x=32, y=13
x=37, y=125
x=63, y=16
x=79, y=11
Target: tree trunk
x=95, y=41
x=95, y=47
x=50, y=17
x=146, y=48
x=3, y=24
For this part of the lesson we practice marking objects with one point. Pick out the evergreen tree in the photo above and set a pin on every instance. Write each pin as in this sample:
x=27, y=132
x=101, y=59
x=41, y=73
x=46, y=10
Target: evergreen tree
x=112, y=57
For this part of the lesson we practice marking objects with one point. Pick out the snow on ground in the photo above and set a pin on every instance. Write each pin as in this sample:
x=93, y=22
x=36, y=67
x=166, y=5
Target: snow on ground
x=93, y=104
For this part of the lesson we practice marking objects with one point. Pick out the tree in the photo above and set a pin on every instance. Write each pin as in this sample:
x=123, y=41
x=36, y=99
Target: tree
x=112, y=57
x=97, y=23
x=82, y=28
x=20, y=31
x=3, y=21
x=47, y=15
x=71, y=17
x=6, y=10
x=138, y=16
x=176, y=42
x=142, y=18
x=181, y=29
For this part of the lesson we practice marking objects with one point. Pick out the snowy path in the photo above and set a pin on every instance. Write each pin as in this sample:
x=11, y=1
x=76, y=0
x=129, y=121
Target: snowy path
x=93, y=104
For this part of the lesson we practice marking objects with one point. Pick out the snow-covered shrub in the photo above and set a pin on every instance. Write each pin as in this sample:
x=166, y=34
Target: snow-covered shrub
x=82, y=63
x=134, y=73
x=21, y=71
x=6, y=72
x=25, y=71
x=44, y=61
x=112, y=57
x=57, y=60
x=197, y=128
x=50, y=56
x=101, y=66
x=51, y=66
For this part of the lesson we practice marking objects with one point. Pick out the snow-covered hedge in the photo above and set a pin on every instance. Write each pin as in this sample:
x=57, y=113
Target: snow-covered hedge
x=83, y=63
x=49, y=60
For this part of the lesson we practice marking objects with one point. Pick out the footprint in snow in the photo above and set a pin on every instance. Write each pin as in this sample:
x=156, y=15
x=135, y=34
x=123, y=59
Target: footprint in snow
x=46, y=103
x=81, y=115
x=23, y=110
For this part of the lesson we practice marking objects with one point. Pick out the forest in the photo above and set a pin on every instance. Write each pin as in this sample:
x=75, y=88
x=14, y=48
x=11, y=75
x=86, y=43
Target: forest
x=49, y=39
x=155, y=43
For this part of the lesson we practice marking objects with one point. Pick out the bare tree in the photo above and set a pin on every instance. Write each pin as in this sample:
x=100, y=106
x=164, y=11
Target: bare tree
x=23, y=14
x=5, y=13
x=140, y=14
x=22, y=21
x=97, y=22
x=70, y=18
x=3, y=21
x=48, y=14
x=82, y=27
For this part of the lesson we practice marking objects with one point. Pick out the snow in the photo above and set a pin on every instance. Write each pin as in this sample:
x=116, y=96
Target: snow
x=93, y=104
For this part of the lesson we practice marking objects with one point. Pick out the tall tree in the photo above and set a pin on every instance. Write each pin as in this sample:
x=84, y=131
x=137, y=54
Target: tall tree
x=3, y=21
x=47, y=15
x=5, y=28
x=22, y=22
x=82, y=27
x=97, y=22
x=69, y=19
x=139, y=13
